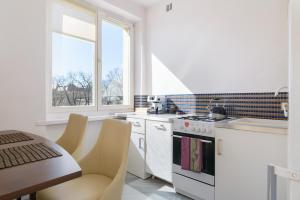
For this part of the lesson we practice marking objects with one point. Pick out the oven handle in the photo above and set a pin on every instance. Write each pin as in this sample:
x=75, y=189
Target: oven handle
x=204, y=141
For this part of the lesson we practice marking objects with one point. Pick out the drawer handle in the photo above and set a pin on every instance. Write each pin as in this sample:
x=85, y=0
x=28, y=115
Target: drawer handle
x=219, y=147
x=160, y=127
x=136, y=124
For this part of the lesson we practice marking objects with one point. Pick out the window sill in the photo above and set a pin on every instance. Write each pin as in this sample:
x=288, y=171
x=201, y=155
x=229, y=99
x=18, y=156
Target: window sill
x=52, y=122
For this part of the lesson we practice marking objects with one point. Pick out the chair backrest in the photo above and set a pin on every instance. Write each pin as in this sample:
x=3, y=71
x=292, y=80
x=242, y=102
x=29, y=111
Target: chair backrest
x=113, y=145
x=73, y=133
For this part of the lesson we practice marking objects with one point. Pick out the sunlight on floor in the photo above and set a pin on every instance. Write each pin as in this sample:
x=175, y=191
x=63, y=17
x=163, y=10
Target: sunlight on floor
x=138, y=189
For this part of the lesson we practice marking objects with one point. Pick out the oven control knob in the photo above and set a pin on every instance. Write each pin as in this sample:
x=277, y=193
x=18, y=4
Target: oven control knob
x=193, y=129
x=204, y=130
x=198, y=130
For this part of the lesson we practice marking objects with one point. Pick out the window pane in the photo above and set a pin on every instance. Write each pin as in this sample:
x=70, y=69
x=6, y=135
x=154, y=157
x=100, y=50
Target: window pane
x=73, y=62
x=115, y=64
x=73, y=54
x=72, y=19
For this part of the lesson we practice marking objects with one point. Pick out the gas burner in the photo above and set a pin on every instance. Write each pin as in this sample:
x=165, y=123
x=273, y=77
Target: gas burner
x=201, y=118
x=213, y=120
x=195, y=118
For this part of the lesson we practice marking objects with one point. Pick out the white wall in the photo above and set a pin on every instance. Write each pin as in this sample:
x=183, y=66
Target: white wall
x=23, y=61
x=294, y=128
x=217, y=46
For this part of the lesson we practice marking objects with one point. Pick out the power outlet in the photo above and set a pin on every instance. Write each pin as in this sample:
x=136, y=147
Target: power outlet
x=169, y=7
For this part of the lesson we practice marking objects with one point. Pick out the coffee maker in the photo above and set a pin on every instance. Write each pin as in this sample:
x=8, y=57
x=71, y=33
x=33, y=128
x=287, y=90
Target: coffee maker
x=157, y=104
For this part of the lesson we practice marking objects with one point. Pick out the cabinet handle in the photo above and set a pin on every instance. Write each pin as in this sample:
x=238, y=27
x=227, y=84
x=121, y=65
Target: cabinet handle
x=136, y=124
x=140, y=143
x=160, y=127
x=219, y=147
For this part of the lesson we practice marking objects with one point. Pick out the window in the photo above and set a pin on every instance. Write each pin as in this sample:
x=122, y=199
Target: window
x=115, y=64
x=91, y=58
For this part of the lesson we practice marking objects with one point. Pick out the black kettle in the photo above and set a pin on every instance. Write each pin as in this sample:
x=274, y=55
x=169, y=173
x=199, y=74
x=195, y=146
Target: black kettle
x=217, y=112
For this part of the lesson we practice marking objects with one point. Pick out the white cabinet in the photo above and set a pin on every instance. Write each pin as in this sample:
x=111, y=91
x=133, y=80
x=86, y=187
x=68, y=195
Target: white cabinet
x=159, y=149
x=138, y=125
x=137, y=149
x=136, y=158
x=242, y=158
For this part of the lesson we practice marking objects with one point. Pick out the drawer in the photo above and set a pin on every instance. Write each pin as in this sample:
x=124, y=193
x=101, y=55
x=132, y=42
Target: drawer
x=159, y=127
x=138, y=125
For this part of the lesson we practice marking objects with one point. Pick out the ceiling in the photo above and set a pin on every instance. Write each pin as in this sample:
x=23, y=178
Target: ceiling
x=146, y=3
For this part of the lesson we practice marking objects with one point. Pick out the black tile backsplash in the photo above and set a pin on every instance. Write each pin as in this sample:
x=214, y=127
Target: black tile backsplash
x=253, y=105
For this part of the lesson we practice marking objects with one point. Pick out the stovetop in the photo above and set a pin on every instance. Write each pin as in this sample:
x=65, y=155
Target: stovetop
x=203, y=118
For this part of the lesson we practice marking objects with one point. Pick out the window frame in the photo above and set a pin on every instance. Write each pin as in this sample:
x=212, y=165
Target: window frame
x=97, y=107
x=104, y=15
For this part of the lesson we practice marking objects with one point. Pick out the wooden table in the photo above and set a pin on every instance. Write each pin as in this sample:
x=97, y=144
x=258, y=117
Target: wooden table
x=32, y=177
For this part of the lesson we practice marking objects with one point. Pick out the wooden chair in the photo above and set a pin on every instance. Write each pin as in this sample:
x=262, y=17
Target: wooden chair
x=73, y=133
x=104, y=168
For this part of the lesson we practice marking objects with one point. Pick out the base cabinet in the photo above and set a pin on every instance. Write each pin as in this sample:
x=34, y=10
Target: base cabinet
x=137, y=149
x=242, y=158
x=136, y=158
x=159, y=149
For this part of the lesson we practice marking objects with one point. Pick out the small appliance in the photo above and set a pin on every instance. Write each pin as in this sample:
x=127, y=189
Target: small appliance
x=217, y=112
x=157, y=104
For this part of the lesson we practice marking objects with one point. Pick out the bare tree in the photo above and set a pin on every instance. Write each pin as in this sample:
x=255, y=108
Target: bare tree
x=77, y=88
x=72, y=89
x=112, y=87
x=86, y=82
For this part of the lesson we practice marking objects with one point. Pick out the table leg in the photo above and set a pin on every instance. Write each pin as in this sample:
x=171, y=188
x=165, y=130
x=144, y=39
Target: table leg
x=19, y=198
x=32, y=196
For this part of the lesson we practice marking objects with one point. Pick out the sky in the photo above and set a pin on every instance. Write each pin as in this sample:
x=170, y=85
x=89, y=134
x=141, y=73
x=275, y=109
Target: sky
x=70, y=54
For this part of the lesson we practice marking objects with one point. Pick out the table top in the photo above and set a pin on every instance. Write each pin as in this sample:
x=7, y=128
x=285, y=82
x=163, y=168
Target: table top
x=33, y=177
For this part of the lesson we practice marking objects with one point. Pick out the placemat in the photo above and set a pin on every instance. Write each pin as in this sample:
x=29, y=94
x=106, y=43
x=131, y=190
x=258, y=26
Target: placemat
x=19, y=155
x=13, y=137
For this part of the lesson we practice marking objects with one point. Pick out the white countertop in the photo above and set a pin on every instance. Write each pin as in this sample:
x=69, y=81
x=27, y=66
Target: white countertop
x=154, y=117
x=256, y=125
x=51, y=122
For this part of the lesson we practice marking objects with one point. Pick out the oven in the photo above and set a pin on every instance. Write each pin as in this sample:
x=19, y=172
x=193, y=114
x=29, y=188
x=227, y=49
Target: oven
x=207, y=175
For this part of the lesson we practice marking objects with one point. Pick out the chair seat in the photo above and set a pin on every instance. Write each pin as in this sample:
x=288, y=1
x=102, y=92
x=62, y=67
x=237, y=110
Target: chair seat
x=87, y=187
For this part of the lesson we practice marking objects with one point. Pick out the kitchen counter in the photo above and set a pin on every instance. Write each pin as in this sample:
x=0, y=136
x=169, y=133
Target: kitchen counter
x=153, y=117
x=256, y=125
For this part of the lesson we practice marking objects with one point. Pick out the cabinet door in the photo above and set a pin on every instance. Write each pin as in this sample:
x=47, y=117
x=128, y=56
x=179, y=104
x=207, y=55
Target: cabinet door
x=242, y=158
x=136, y=156
x=159, y=149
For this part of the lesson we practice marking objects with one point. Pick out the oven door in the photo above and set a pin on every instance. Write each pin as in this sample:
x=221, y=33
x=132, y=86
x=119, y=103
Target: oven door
x=208, y=173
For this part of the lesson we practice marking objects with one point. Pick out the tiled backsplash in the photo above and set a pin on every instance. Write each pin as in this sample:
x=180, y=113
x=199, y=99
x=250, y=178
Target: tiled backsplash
x=254, y=105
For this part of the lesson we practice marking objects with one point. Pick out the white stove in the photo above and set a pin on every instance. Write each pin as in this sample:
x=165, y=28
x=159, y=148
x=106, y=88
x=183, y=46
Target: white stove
x=195, y=185
x=196, y=125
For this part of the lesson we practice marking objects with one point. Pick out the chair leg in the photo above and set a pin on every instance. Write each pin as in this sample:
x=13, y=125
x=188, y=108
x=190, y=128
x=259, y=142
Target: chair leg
x=32, y=196
x=19, y=198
